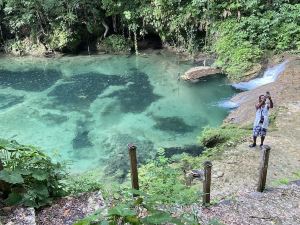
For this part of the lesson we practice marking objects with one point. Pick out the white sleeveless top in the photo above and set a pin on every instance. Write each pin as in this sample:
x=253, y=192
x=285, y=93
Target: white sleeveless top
x=264, y=111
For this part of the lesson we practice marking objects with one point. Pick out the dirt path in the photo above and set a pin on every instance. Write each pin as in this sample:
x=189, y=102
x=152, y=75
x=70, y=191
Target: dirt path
x=240, y=165
x=235, y=188
x=279, y=206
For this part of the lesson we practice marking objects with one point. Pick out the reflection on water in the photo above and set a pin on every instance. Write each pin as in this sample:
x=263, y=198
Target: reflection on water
x=90, y=107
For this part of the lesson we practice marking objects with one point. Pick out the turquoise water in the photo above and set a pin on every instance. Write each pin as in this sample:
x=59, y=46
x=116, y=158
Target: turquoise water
x=88, y=108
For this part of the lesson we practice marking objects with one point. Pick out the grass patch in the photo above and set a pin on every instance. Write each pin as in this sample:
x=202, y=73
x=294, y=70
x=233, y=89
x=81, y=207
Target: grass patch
x=228, y=135
x=296, y=175
x=273, y=117
x=80, y=183
x=287, y=180
x=281, y=181
x=215, y=141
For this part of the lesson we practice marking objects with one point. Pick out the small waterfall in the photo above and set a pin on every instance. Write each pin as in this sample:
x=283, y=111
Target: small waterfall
x=228, y=104
x=270, y=75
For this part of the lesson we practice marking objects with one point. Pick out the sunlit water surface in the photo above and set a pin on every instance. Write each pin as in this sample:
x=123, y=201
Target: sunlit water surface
x=88, y=108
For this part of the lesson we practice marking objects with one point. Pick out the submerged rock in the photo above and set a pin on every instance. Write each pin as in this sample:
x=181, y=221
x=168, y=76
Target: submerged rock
x=51, y=118
x=82, y=139
x=194, y=150
x=172, y=124
x=7, y=101
x=118, y=161
x=138, y=95
x=194, y=74
x=81, y=90
x=30, y=80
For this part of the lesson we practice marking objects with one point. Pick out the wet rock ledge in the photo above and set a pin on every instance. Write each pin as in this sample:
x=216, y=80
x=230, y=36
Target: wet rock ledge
x=194, y=74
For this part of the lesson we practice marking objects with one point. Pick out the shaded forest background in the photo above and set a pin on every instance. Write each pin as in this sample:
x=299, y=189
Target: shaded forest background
x=240, y=32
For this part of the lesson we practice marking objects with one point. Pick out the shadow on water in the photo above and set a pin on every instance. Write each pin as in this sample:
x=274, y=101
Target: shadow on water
x=172, y=124
x=7, y=101
x=81, y=90
x=31, y=80
x=138, y=95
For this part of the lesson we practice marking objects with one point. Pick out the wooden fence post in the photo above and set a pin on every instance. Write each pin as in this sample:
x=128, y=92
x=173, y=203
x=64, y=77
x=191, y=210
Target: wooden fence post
x=4, y=187
x=1, y=165
x=206, y=183
x=263, y=168
x=133, y=167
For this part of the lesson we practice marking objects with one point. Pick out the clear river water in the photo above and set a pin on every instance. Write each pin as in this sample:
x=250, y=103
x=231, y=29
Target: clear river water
x=88, y=108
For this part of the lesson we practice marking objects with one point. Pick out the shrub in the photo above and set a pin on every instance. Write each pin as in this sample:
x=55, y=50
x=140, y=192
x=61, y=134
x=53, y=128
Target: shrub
x=63, y=39
x=138, y=211
x=23, y=47
x=164, y=183
x=228, y=134
x=235, y=53
x=30, y=176
x=240, y=44
x=115, y=44
x=79, y=183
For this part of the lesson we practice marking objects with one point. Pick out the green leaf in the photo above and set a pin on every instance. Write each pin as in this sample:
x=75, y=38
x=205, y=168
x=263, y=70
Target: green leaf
x=158, y=218
x=134, y=220
x=40, y=189
x=40, y=175
x=87, y=220
x=121, y=210
x=83, y=222
x=22, y=171
x=11, y=177
x=13, y=199
x=138, y=201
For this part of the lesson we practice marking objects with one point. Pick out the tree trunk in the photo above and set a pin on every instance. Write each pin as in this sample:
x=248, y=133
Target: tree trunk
x=135, y=43
x=40, y=22
x=1, y=33
x=106, y=28
x=114, y=19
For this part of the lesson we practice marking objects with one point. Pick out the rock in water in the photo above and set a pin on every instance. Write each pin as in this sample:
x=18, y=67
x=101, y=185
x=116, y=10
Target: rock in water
x=194, y=74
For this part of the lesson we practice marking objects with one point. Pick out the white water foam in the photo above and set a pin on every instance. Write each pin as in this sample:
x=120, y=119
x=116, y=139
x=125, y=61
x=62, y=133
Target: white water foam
x=228, y=104
x=270, y=75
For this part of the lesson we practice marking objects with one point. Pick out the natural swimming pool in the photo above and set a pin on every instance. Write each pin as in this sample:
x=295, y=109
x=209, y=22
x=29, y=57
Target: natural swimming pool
x=88, y=108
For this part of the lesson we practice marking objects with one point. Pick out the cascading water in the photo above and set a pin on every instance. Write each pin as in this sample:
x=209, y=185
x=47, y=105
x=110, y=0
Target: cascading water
x=270, y=75
x=228, y=104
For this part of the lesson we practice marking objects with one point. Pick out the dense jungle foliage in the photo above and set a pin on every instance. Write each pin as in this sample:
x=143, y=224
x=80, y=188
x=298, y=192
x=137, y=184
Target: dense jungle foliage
x=240, y=32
